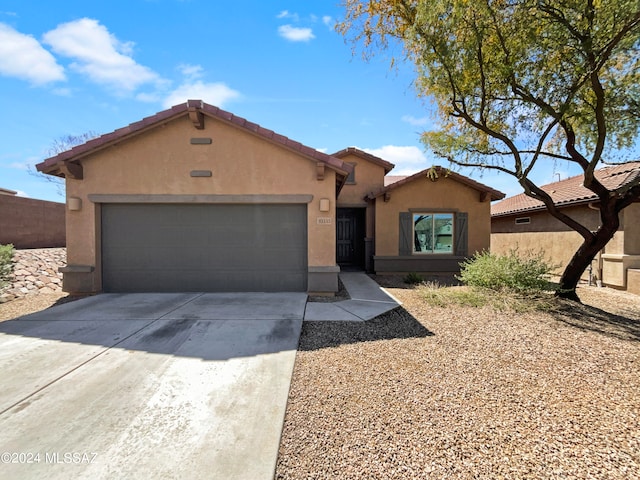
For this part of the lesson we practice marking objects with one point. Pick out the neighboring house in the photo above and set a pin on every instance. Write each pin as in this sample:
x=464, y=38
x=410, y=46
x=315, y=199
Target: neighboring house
x=525, y=222
x=197, y=199
x=30, y=223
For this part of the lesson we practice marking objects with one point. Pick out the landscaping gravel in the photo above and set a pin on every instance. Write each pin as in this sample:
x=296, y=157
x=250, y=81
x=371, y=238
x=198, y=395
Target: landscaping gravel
x=461, y=393
x=457, y=393
x=30, y=304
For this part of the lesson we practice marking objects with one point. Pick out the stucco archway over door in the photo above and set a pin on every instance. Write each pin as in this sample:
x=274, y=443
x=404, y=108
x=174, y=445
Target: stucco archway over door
x=204, y=247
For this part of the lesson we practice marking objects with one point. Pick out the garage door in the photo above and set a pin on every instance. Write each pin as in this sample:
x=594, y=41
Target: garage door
x=204, y=248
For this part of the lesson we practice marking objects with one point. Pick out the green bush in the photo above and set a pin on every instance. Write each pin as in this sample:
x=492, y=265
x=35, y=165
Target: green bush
x=6, y=263
x=515, y=271
x=413, y=278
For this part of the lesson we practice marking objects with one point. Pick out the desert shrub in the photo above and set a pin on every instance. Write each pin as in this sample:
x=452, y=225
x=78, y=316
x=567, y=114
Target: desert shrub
x=504, y=301
x=413, y=279
x=438, y=296
x=6, y=263
x=520, y=272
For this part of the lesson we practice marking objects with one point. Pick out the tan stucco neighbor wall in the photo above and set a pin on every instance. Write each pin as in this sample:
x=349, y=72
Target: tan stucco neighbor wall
x=160, y=162
x=557, y=248
x=443, y=195
x=559, y=243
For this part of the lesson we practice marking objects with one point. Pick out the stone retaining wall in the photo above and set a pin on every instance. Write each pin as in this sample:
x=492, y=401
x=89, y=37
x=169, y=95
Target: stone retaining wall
x=35, y=271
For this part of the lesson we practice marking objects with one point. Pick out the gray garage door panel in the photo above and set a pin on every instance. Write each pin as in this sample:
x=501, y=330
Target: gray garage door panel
x=204, y=248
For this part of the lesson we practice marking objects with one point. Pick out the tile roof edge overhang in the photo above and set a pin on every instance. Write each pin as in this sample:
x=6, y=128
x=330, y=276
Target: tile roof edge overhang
x=388, y=166
x=590, y=198
x=440, y=171
x=52, y=165
x=542, y=207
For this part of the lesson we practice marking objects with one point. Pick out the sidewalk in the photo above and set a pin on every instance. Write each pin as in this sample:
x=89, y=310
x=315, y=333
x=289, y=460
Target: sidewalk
x=368, y=300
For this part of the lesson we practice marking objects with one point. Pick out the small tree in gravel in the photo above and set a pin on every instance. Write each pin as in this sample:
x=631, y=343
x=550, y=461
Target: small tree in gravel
x=515, y=271
x=6, y=263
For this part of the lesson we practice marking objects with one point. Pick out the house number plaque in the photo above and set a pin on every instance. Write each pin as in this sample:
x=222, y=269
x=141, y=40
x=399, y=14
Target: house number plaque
x=324, y=220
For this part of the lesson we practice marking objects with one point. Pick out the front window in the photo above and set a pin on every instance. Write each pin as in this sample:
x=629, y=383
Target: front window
x=433, y=233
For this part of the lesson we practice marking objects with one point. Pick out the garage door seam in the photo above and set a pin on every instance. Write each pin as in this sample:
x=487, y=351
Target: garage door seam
x=94, y=357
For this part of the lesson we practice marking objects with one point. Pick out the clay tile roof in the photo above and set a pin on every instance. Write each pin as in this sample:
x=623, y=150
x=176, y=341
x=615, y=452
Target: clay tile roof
x=365, y=156
x=440, y=172
x=51, y=165
x=570, y=191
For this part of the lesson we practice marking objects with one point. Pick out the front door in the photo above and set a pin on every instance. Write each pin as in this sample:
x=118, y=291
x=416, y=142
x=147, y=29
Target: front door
x=350, y=236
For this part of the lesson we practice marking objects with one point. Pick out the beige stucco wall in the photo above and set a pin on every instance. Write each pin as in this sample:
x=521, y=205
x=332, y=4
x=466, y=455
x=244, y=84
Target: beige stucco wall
x=446, y=195
x=369, y=178
x=632, y=229
x=559, y=243
x=160, y=162
x=557, y=248
x=543, y=222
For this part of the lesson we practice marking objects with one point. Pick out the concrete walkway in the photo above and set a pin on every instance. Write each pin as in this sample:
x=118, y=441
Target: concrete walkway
x=368, y=300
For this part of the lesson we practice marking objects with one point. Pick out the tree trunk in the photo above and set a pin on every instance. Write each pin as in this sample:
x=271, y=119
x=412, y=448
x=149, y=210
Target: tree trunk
x=585, y=255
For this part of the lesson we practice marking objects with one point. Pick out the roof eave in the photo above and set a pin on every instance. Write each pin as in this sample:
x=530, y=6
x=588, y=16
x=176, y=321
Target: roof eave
x=51, y=165
x=541, y=208
x=387, y=166
x=493, y=194
x=196, y=109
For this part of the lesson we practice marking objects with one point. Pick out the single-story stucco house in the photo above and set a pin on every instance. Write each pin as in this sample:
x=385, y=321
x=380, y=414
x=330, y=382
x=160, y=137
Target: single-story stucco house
x=194, y=198
x=523, y=221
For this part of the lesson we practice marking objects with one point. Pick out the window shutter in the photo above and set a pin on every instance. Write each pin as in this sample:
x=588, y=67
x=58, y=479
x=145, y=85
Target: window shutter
x=406, y=235
x=462, y=234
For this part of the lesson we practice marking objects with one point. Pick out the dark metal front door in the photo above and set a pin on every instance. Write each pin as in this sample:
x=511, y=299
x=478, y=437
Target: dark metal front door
x=350, y=233
x=345, y=233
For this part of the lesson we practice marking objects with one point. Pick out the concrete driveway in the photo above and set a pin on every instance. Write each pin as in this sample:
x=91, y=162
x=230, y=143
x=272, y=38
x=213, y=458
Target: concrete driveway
x=148, y=386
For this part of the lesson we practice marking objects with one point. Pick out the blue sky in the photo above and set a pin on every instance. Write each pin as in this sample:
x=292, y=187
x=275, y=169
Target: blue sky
x=71, y=67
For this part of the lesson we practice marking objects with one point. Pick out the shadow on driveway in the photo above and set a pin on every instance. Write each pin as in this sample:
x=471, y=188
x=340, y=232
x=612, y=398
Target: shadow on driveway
x=205, y=326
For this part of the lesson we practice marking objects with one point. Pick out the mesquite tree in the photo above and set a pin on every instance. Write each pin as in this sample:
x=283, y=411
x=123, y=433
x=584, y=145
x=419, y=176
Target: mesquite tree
x=520, y=84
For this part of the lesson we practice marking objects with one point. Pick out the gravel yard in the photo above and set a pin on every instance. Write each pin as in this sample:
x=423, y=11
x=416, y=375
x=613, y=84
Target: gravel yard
x=30, y=304
x=459, y=392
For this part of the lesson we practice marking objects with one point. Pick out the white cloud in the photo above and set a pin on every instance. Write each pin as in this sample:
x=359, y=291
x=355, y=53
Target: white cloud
x=20, y=165
x=99, y=55
x=416, y=122
x=62, y=92
x=22, y=56
x=328, y=21
x=191, y=71
x=296, y=34
x=213, y=93
x=407, y=159
x=286, y=14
